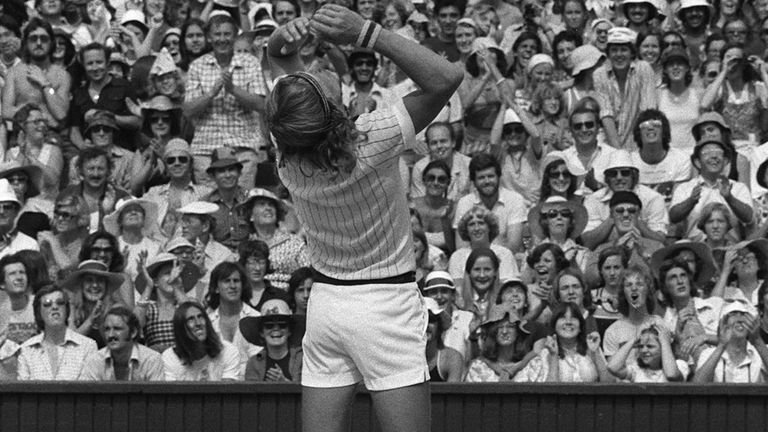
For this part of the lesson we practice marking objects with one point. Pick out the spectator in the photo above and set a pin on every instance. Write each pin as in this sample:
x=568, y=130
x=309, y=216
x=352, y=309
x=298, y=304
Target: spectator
x=26, y=182
x=480, y=227
x=163, y=121
x=560, y=222
x=653, y=360
x=635, y=76
x=197, y=226
x=649, y=46
x=9, y=211
x=254, y=257
x=679, y=99
x=697, y=256
x=485, y=174
x=447, y=13
x=17, y=306
x=61, y=246
x=159, y=300
x=466, y=32
x=716, y=222
x=559, y=178
x=35, y=80
x=587, y=153
x=35, y=146
x=180, y=191
x=739, y=356
x=263, y=212
x=193, y=42
x=103, y=246
x=299, y=288
x=441, y=141
x=516, y=141
x=569, y=287
x=546, y=261
x=635, y=303
x=134, y=223
x=481, y=282
x=228, y=300
x=123, y=358
x=695, y=16
x=621, y=175
x=102, y=91
x=279, y=332
x=57, y=353
x=612, y=261
x=363, y=95
x=439, y=286
x=92, y=291
x=435, y=208
x=445, y=363
x=506, y=348
x=660, y=162
x=709, y=157
x=225, y=118
x=743, y=272
x=225, y=170
x=199, y=354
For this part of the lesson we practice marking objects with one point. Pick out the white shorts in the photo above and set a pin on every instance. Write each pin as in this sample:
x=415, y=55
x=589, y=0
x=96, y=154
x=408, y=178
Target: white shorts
x=374, y=333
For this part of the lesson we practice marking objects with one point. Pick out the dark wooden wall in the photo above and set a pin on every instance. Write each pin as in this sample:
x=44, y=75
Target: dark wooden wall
x=86, y=407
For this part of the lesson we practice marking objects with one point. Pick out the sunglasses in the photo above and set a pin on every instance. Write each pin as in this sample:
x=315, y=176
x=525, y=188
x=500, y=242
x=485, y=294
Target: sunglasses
x=436, y=178
x=49, y=303
x=180, y=159
x=712, y=74
x=583, y=125
x=622, y=210
x=17, y=178
x=625, y=172
x=63, y=215
x=159, y=119
x=558, y=174
x=39, y=38
x=101, y=129
x=275, y=326
x=101, y=250
x=650, y=124
x=364, y=63
x=514, y=129
x=551, y=214
x=7, y=207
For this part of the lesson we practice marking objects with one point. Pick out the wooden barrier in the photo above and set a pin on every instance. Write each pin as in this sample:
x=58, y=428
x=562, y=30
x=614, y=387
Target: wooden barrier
x=192, y=407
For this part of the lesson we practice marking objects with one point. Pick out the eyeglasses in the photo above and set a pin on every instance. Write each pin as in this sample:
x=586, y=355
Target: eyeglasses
x=712, y=74
x=8, y=207
x=63, y=215
x=275, y=326
x=49, y=303
x=101, y=129
x=625, y=172
x=360, y=63
x=180, y=159
x=39, y=38
x=158, y=119
x=553, y=213
x=622, y=210
x=583, y=125
x=558, y=174
x=430, y=178
x=712, y=153
x=98, y=250
x=252, y=261
x=17, y=178
x=650, y=124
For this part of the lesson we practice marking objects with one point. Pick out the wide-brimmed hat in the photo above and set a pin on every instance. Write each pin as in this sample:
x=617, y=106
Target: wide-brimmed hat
x=99, y=117
x=199, y=208
x=500, y=312
x=701, y=143
x=579, y=218
x=484, y=43
x=34, y=174
x=438, y=279
x=264, y=27
x=159, y=103
x=570, y=163
x=617, y=159
x=223, y=157
x=176, y=243
x=622, y=35
x=96, y=268
x=761, y=245
x=673, y=53
x=272, y=310
x=190, y=273
x=257, y=193
x=760, y=174
x=112, y=220
x=711, y=117
x=158, y=261
x=688, y=4
x=706, y=267
x=585, y=57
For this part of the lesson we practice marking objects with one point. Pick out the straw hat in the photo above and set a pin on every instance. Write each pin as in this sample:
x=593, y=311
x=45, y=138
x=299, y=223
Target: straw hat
x=706, y=265
x=579, y=212
x=585, y=57
x=272, y=310
x=96, y=268
x=112, y=221
x=34, y=174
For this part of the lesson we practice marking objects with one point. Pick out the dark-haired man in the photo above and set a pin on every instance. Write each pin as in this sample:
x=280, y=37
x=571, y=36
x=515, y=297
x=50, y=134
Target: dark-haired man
x=447, y=13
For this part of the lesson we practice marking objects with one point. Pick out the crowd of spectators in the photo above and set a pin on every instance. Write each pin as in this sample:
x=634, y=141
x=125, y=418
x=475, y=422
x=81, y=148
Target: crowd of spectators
x=590, y=205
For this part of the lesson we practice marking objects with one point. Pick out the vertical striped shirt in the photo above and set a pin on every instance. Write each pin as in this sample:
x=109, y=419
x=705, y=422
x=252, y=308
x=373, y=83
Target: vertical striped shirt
x=357, y=225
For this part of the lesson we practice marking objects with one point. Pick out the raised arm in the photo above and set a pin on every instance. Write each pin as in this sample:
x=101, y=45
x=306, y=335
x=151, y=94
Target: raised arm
x=437, y=78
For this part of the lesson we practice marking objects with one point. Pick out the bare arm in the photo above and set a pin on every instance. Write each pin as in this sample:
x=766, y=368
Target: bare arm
x=617, y=366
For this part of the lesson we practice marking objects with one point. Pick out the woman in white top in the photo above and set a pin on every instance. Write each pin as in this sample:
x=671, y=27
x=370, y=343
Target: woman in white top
x=743, y=272
x=678, y=100
x=134, y=223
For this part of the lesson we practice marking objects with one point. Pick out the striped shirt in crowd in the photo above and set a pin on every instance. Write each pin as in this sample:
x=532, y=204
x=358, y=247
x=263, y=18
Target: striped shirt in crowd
x=357, y=225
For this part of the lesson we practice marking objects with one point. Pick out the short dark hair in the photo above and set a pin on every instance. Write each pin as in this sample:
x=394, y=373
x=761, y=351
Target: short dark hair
x=297, y=278
x=93, y=46
x=665, y=268
x=620, y=251
x=561, y=262
x=185, y=347
x=446, y=125
x=461, y=5
x=581, y=340
x=22, y=114
x=37, y=304
x=478, y=253
x=8, y=22
x=117, y=263
x=576, y=273
x=568, y=35
x=91, y=153
x=8, y=260
x=482, y=161
x=224, y=270
x=128, y=316
x=220, y=19
x=653, y=114
x=546, y=188
x=583, y=109
x=34, y=24
x=253, y=248
x=439, y=164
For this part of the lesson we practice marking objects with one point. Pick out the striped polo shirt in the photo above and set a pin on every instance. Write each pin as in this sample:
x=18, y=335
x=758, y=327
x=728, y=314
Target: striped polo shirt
x=357, y=225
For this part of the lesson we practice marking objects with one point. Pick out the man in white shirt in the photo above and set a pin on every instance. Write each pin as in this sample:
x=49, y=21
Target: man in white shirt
x=710, y=157
x=506, y=204
x=11, y=239
x=441, y=141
